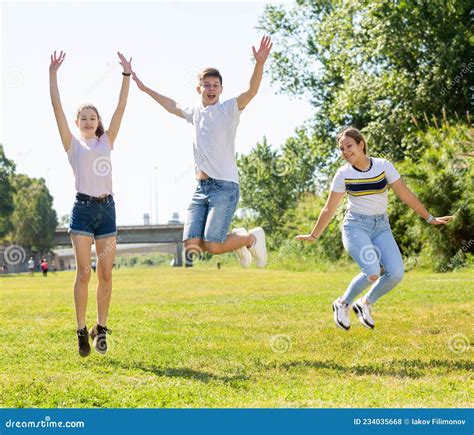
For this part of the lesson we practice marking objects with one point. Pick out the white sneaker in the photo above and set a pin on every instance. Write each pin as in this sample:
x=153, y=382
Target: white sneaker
x=259, y=248
x=243, y=253
x=363, y=312
x=341, y=314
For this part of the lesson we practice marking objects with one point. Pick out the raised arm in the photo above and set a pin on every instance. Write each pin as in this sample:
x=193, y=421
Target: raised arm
x=410, y=199
x=122, y=103
x=326, y=215
x=260, y=58
x=167, y=103
x=61, y=121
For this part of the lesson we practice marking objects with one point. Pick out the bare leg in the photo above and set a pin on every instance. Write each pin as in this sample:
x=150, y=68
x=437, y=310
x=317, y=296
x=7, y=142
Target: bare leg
x=231, y=243
x=105, y=249
x=82, y=251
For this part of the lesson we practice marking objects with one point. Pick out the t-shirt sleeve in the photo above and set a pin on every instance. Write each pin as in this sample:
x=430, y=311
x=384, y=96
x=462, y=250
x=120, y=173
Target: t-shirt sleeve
x=72, y=145
x=188, y=113
x=338, y=184
x=391, y=173
x=106, y=139
x=231, y=108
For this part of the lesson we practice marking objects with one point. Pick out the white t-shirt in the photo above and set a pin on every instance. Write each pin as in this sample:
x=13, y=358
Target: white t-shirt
x=91, y=164
x=215, y=127
x=367, y=190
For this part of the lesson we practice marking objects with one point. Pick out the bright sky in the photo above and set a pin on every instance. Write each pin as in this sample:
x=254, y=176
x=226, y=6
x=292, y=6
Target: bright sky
x=169, y=43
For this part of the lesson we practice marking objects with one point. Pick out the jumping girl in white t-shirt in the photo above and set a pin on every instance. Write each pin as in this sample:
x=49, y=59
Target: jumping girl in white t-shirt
x=366, y=232
x=93, y=214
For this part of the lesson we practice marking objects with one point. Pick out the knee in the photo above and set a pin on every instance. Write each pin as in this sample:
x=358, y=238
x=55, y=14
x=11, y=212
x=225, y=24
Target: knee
x=104, y=276
x=83, y=274
x=396, y=275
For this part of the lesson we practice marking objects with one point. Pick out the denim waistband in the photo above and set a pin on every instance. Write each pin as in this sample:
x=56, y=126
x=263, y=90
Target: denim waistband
x=211, y=180
x=368, y=217
x=84, y=197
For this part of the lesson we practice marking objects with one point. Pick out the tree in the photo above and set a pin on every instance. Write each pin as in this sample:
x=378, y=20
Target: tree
x=7, y=169
x=374, y=65
x=262, y=175
x=34, y=219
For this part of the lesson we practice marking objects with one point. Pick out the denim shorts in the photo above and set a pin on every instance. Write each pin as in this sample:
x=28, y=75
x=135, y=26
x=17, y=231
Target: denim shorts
x=211, y=210
x=93, y=219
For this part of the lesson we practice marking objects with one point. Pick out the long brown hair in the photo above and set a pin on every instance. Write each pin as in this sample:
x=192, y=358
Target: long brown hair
x=100, y=128
x=353, y=133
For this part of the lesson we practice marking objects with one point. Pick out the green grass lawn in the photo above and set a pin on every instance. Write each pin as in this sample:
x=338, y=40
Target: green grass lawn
x=204, y=337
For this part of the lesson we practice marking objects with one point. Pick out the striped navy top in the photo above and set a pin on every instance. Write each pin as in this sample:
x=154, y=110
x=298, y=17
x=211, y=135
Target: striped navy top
x=367, y=190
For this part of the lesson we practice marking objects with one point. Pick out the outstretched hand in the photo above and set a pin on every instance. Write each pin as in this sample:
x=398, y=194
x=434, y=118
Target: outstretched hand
x=306, y=238
x=441, y=220
x=56, y=61
x=126, y=64
x=139, y=83
x=264, y=50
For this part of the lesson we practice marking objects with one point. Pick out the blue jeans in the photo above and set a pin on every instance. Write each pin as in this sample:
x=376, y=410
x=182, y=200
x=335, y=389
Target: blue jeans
x=211, y=210
x=369, y=241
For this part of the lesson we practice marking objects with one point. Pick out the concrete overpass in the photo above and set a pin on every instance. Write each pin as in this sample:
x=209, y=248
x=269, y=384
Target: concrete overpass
x=170, y=236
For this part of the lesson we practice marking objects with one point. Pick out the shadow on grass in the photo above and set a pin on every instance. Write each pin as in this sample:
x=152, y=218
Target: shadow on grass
x=396, y=368
x=178, y=372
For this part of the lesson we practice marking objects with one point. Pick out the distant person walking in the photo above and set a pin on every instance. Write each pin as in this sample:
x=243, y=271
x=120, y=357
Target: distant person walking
x=93, y=213
x=44, y=267
x=31, y=266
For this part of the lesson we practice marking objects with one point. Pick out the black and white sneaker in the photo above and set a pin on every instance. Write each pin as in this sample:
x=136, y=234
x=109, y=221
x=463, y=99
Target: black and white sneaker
x=363, y=312
x=99, y=338
x=83, y=344
x=341, y=314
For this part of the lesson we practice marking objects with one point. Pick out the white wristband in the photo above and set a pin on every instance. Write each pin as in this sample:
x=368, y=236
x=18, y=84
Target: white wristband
x=430, y=218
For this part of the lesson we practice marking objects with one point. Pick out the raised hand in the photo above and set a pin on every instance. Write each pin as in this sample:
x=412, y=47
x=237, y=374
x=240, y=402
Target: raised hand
x=139, y=83
x=305, y=238
x=56, y=61
x=126, y=64
x=264, y=50
x=441, y=220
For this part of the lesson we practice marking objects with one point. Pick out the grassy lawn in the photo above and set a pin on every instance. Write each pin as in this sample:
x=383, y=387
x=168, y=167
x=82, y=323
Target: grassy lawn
x=204, y=337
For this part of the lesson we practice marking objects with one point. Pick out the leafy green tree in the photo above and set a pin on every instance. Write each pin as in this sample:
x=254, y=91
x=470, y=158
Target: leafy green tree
x=34, y=219
x=374, y=65
x=443, y=179
x=263, y=177
x=7, y=169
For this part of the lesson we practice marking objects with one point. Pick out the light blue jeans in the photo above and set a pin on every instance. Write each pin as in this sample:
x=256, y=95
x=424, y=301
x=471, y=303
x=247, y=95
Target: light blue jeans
x=369, y=241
